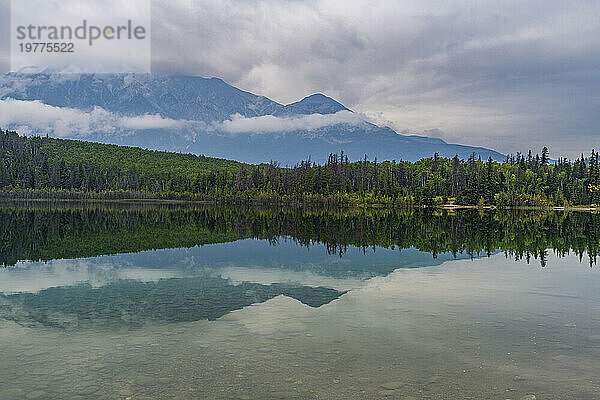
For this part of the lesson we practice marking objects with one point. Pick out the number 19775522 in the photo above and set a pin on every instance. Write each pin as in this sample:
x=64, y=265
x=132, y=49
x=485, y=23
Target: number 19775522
x=42, y=47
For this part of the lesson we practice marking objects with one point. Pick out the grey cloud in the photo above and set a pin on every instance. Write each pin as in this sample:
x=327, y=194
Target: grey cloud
x=4, y=36
x=510, y=75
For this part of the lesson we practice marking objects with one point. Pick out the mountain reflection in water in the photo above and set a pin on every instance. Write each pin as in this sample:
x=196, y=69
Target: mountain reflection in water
x=130, y=302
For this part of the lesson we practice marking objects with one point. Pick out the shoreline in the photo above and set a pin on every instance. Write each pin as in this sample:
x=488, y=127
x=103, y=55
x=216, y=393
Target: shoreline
x=451, y=207
x=218, y=202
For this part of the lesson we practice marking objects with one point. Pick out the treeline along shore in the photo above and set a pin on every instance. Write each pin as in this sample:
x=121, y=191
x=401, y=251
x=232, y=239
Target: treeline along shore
x=42, y=167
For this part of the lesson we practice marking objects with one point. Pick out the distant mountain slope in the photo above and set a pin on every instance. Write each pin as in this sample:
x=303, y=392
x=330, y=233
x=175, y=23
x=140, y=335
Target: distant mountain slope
x=207, y=116
x=171, y=96
x=315, y=104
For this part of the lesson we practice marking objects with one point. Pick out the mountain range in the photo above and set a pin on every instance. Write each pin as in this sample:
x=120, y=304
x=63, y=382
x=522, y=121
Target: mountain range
x=206, y=116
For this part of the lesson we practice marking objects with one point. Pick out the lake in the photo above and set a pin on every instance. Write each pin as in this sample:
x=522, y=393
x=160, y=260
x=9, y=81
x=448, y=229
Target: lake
x=143, y=301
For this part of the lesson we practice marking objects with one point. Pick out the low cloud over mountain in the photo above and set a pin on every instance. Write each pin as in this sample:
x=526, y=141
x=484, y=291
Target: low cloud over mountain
x=203, y=116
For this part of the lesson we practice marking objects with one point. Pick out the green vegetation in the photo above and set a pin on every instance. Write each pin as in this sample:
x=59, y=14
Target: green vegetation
x=56, y=168
x=72, y=165
x=49, y=233
x=44, y=232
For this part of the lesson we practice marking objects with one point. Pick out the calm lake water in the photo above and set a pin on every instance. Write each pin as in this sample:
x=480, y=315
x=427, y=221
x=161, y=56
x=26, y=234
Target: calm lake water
x=129, y=301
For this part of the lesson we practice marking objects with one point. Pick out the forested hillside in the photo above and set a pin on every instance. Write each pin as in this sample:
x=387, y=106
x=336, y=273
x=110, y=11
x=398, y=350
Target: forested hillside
x=47, y=163
x=38, y=167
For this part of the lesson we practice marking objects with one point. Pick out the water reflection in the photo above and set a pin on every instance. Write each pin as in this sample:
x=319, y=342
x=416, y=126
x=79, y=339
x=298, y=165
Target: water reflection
x=485, y=328
x=176, y=285
x=134, y=303
x=49, y=231
x=260, y=305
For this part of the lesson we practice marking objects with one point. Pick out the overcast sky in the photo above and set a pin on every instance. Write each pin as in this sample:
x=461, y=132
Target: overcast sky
x=509, y=75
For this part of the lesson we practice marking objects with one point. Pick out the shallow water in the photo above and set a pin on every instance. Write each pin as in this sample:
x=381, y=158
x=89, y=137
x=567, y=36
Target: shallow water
x=252, y=320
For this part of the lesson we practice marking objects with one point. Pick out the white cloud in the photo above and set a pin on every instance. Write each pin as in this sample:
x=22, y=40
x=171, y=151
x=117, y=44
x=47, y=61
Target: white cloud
x=271, y=124
x=32, y=277
x=34, y=117
x=152, y=122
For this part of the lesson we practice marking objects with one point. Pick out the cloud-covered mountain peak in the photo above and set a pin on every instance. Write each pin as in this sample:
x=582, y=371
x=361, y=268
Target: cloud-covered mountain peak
x=170, y=96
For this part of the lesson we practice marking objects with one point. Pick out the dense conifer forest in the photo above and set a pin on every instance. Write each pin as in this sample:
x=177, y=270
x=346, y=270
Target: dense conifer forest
x=57, y=168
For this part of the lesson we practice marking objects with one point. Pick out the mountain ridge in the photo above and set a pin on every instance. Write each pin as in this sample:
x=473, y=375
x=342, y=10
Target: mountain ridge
x=208, y=116
x=316, y=103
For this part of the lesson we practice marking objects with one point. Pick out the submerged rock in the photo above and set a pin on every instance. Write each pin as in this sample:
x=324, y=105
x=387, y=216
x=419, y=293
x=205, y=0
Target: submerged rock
x=38, y=394
x=125, y=392
x=88, y=390
x=284, y=395
x=11, y=394
x=145, y=380
x=392, y=385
